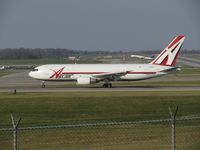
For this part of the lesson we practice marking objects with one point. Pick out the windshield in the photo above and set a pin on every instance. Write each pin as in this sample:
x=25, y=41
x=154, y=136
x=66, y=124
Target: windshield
x=35, y=69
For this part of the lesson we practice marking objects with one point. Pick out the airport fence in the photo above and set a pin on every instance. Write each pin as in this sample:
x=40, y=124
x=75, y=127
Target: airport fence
x=172, y=133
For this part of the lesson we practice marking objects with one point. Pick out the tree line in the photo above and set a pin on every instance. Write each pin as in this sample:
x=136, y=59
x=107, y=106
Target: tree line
x=38, y=53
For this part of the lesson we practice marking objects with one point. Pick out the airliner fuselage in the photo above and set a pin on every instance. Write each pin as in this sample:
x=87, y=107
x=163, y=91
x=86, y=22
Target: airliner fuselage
x=57, y=72
x=92, y=73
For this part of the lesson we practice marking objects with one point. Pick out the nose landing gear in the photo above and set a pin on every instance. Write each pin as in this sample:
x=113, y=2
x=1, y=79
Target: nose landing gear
x=43, y=84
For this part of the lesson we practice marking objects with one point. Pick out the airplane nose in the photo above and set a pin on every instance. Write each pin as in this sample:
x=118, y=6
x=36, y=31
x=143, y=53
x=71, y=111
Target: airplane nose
x=31, y=74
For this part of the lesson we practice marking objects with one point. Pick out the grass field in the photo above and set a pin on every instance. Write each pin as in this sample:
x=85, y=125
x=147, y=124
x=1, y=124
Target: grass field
x=76, y=107
x=195, y=56
x=129, y=137
x=188, y=70
x=52, y=108
x=7, y=72
x=3, y=73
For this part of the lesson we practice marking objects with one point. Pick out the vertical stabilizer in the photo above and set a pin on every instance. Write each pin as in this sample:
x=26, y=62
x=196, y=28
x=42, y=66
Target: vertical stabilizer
x=169, y=55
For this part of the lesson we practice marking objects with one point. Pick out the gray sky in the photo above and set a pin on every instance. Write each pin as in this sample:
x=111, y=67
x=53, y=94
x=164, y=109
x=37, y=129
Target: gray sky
x=98, y=24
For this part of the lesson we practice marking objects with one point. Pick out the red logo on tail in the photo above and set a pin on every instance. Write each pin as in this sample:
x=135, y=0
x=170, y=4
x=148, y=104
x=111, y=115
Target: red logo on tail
x=169, y=55
x=56, y=74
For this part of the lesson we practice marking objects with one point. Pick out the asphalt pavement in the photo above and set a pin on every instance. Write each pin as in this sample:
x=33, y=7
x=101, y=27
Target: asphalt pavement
x=23, y=83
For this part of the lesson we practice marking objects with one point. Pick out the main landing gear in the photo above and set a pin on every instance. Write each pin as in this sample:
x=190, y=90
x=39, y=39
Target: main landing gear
x=107, y=85
x=43, y=84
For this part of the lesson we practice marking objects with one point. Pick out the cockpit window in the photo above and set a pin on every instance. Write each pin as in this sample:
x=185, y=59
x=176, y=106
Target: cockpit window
x=35, y=69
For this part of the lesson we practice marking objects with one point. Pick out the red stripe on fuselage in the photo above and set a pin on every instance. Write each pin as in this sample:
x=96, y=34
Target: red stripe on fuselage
x=107, y=73
x=141, y=72
x=84, y=72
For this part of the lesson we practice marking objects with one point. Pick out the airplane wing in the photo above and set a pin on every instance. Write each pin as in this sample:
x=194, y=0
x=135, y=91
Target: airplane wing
x=110, y=76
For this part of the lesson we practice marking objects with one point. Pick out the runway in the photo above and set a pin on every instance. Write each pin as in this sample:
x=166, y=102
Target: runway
x=93, y=89
x=23, y=83
x=190, y=61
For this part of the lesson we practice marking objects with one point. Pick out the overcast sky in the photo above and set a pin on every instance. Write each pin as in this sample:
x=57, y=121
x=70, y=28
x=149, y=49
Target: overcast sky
x=98, y=24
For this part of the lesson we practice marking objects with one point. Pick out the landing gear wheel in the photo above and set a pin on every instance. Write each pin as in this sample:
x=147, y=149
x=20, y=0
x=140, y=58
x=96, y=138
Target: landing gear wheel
x=43, y=84
x=107, y=85
x=110, y=85
x=104, y=85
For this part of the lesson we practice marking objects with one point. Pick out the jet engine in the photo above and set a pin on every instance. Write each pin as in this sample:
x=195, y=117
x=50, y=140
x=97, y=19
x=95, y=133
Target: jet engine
x=86, y=80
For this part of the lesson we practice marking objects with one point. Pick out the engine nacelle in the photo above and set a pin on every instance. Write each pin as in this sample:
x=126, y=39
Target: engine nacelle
x=85, y=80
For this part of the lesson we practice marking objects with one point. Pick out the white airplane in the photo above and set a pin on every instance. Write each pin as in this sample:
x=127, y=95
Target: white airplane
x=6, y=67
x=141, y=57
x=163, y=64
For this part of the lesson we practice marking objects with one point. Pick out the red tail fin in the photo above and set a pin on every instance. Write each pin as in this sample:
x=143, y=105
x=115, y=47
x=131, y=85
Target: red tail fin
x=169, y=55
